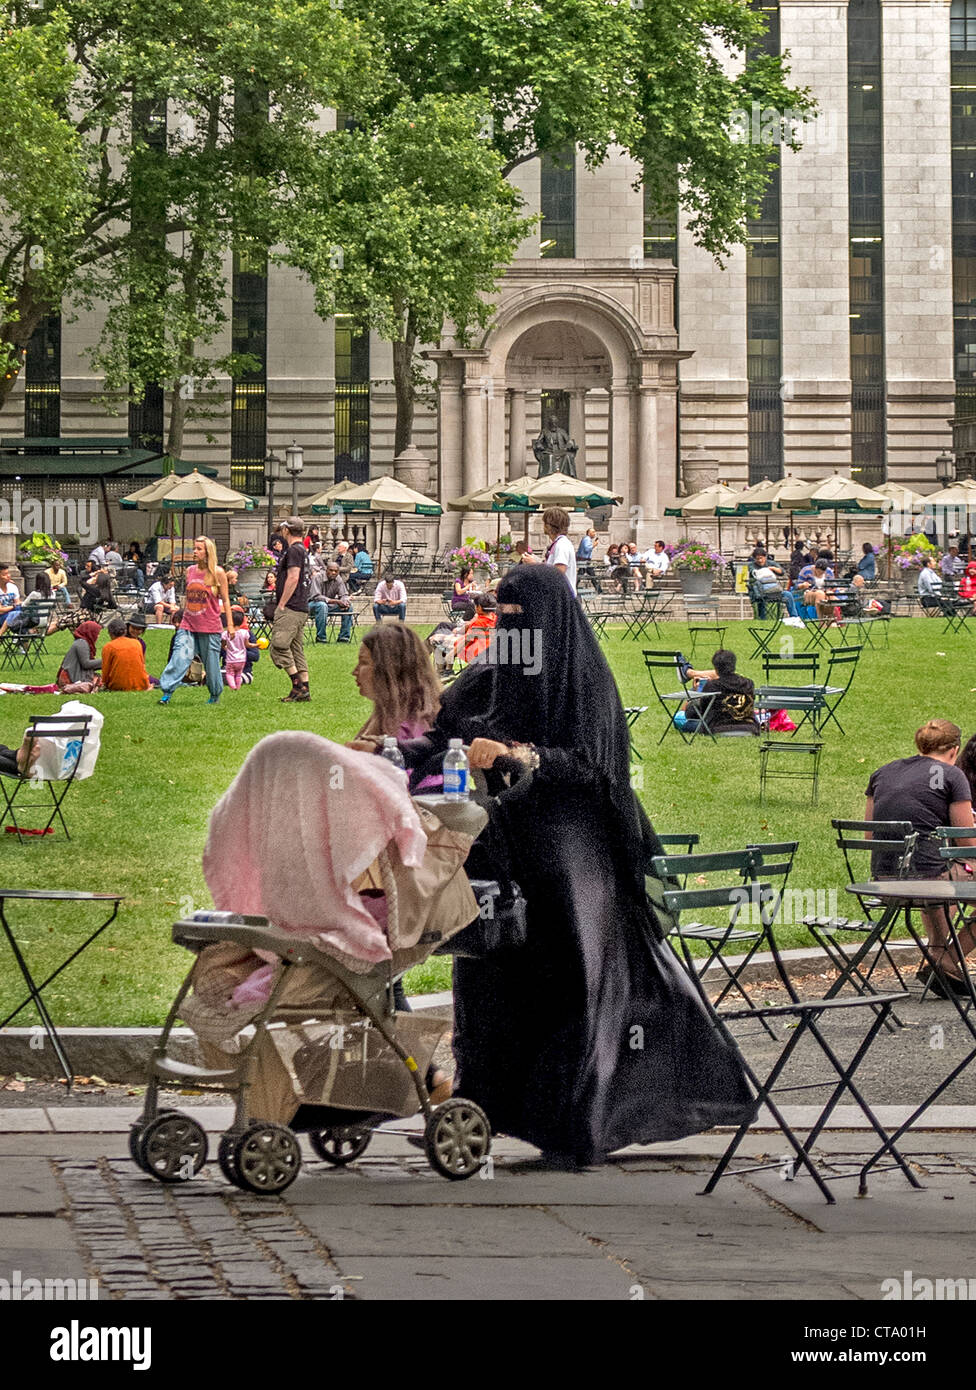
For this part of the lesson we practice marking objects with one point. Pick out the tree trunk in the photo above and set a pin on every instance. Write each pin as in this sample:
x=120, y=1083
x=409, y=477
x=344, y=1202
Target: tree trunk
x=183, y=386
x=403, y=351
x=17, y=335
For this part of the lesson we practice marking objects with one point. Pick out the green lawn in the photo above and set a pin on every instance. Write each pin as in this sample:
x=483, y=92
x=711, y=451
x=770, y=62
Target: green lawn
x=138, y=826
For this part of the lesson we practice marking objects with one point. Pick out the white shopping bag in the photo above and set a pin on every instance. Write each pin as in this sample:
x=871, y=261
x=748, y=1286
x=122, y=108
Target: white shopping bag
x=59, y=757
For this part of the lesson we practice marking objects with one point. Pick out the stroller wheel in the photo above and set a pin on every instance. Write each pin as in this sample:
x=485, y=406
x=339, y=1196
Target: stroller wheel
x=225, y=1155
x=265, y=1158
x=135, y=1147
x=340, y=1146
x=457, y=1138
x=172, y=1147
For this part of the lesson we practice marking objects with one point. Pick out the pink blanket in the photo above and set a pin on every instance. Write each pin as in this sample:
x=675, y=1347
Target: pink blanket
x=300, y=822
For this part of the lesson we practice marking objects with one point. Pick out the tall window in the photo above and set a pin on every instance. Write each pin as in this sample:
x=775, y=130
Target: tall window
x=558, y=204
x=963, y=55
x=42, y=380
x=864, y=137
x=351, y=402
x=764, y=312
x=148, y=222
x=249, y=334
x=661, y=230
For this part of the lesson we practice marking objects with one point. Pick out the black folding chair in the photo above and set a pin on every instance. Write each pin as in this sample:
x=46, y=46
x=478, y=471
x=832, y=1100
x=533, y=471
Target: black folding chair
x=74, y=728
x=632, y=713
x=649, y=606
x=746, y=896
x=763, y=633
x=664, y=669
x=800, y=669
x=25, y=647
x=838, y=679
x=806, y=1016
x=772, y=749
x=955, y=610
x=900, y=837
x=686, y=843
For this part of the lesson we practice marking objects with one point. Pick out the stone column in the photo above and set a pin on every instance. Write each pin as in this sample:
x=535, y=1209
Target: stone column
x=917, y=236
x=495, y=456
x=814, y=242
x=619, y=471
x=449, y=444
x=474, y=461
x=516, y=433
x=646, y=482
x=577, y=427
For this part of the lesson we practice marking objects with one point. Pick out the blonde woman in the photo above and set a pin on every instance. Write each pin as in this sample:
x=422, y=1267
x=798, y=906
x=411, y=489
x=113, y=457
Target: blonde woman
x=200, y=632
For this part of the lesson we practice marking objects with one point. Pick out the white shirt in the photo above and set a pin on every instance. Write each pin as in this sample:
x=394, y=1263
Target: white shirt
x=11, y=591
x=161, y=593
x=562, y=553
x=390, y=593
x=660, y=564
x=97, y=556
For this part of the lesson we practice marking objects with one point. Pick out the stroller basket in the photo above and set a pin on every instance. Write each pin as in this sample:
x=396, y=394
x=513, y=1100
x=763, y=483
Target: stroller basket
x=349, y=1065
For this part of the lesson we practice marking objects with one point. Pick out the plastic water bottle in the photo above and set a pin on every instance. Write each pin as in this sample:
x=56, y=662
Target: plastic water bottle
x=392, y=753
x=456, y=773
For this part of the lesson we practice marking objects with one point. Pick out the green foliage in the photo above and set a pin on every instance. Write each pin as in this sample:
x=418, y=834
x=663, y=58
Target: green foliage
x=649, y=78
x=406, y=224
x=146, y=230
x=40, y=549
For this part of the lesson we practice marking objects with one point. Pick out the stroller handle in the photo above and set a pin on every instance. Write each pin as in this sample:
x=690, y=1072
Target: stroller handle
x=257, y=933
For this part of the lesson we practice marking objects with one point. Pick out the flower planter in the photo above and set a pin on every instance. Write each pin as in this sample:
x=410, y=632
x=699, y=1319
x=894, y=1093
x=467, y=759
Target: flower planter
x=909, y=578
x=250, y=581
x=696, y=583
x=30, y=571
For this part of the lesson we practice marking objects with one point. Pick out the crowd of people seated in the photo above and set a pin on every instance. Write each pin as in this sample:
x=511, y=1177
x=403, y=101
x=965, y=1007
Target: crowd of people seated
x=810, y=589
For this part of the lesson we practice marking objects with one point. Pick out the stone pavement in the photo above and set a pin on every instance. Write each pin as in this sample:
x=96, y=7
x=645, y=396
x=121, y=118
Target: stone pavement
x=72, y=1205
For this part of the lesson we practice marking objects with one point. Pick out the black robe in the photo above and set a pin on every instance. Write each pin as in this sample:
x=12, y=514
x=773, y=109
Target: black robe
x=590, y=1036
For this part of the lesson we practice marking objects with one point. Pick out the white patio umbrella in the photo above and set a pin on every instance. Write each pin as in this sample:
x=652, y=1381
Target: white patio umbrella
x=706, y=503
x=383, y=495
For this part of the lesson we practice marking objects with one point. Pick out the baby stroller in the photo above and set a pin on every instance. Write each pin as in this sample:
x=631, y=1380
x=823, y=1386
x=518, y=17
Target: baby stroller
x=352, y=1060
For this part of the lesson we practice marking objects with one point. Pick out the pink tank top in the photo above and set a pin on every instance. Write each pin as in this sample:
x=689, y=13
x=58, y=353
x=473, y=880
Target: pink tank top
x=201, y=607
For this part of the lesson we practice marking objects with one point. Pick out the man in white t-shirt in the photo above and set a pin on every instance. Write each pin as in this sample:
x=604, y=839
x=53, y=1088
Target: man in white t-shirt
x=657, y=560
x=560, y=554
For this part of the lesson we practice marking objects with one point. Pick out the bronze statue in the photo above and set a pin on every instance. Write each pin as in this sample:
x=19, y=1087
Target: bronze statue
x=555, y=452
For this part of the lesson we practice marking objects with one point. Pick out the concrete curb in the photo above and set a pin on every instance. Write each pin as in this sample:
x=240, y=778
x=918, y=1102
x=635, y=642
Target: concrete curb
x=122, y=1054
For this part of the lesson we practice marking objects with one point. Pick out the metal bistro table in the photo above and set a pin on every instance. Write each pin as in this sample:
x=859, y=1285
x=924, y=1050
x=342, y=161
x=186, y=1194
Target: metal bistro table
x=36, y=990
x=897, y=894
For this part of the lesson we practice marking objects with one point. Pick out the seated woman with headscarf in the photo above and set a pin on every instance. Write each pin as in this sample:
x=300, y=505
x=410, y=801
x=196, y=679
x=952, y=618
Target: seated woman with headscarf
x=79, y=672
x=543, y=1031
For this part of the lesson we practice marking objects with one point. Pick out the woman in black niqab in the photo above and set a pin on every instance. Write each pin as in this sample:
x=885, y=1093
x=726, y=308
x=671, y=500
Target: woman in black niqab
x=590, y=1036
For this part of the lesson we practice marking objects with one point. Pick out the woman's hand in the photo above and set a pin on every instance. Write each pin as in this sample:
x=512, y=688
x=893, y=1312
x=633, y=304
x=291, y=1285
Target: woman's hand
x=484, y=751
x=367, y=744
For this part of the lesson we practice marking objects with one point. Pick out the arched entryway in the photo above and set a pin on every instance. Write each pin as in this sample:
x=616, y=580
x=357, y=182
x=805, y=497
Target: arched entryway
x=585, y=349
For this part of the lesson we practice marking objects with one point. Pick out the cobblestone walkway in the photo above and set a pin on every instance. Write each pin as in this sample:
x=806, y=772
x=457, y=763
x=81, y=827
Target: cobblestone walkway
x=144, y=1240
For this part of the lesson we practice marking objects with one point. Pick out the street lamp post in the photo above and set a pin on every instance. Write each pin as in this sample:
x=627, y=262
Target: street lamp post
x=272, y=472
x=294, y=462
x=945, y=472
